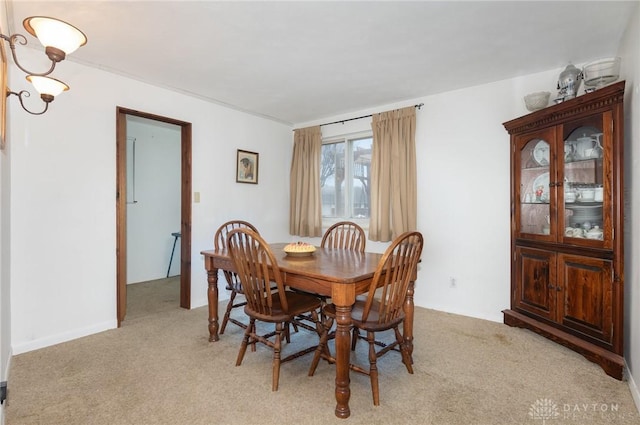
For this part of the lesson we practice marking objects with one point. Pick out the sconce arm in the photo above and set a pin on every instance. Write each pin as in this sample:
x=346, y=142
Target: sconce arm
x=22, y=40
x=27, y=94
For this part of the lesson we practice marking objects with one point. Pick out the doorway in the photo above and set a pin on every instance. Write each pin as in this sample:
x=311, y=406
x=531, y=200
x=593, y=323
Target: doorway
x=121, y=207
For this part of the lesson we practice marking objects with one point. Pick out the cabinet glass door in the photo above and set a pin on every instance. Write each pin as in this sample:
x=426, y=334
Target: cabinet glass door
x=535, y=195
x=584, y=183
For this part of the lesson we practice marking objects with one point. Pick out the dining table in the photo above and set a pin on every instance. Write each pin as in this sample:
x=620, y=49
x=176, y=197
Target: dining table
x=337, y=273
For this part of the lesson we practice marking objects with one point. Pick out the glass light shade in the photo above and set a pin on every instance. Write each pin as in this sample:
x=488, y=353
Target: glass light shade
x=55, y=33
x=46, y=85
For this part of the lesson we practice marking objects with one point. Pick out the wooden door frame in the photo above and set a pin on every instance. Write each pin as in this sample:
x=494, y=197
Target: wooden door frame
x=121, y=208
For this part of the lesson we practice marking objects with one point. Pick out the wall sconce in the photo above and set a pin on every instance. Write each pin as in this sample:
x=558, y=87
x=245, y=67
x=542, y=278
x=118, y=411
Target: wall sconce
x=59, y=39
x=46, y=86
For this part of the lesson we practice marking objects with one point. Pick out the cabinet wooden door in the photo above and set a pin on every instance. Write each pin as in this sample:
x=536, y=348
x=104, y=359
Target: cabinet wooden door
x=586, y=296
x=534, y=278
x=533, y=172
x=585, y=181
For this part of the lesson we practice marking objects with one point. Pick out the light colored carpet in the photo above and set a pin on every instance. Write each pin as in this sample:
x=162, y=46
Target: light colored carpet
x=160, y=368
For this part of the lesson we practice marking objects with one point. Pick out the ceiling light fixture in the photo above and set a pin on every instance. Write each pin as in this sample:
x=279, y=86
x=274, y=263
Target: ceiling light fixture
x=59, y=39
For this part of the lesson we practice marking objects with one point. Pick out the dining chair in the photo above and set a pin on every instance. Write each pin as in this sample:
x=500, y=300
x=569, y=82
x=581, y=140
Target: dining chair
x=344, y=235
x=258, y=270
x=382, y=310
x=234, y=284
x=341, y=235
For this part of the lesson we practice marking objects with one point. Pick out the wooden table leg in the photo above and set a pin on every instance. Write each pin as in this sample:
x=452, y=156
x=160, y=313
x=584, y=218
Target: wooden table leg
x=343, y=297
x=212, y=297
x=408, y=319
x=343, y=351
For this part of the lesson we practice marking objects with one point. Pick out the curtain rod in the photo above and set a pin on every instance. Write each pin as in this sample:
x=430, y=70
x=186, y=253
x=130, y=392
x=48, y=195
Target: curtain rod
x=419, y=105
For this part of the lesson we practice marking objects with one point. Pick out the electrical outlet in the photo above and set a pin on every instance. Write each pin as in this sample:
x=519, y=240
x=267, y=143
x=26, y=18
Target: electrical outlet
x=452, y=282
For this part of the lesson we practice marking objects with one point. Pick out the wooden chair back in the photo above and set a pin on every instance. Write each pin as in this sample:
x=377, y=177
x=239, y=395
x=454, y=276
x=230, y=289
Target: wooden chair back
x=220, y=242
x=220, y=237
x=257, y=268
x=396, y=269
x=344, y=235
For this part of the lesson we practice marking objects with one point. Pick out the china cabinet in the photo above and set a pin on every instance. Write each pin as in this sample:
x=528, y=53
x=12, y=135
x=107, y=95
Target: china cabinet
x=567, y=225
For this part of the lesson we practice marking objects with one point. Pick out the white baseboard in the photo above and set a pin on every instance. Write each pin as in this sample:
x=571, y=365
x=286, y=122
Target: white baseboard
x=633, y=387
x=24, y=347
x=200, y=302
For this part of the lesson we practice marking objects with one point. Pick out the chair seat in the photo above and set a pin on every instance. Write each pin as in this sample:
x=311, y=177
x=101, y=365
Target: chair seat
x=298, y=303
x=371, y=324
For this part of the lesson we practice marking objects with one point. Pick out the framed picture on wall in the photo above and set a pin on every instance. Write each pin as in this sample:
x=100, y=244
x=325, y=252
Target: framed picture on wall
x=247, y=167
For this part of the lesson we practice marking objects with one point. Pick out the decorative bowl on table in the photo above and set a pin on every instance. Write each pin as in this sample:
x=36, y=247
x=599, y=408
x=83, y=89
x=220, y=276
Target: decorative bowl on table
x=537, y=100
x=299, y=249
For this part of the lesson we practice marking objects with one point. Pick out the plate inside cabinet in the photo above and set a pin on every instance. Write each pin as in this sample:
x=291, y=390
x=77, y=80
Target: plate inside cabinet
x=541, y=188
x=541, y=153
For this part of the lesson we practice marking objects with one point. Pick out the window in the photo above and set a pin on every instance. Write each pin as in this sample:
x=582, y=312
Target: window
x=345, y=177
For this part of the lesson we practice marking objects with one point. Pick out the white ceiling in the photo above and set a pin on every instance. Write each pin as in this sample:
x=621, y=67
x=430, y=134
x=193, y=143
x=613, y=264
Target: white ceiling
x=300, y=61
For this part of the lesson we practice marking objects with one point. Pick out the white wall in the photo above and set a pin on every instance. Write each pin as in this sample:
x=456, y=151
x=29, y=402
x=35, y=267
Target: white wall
x=155, y=181
x=63, y=282
x=630, y=70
